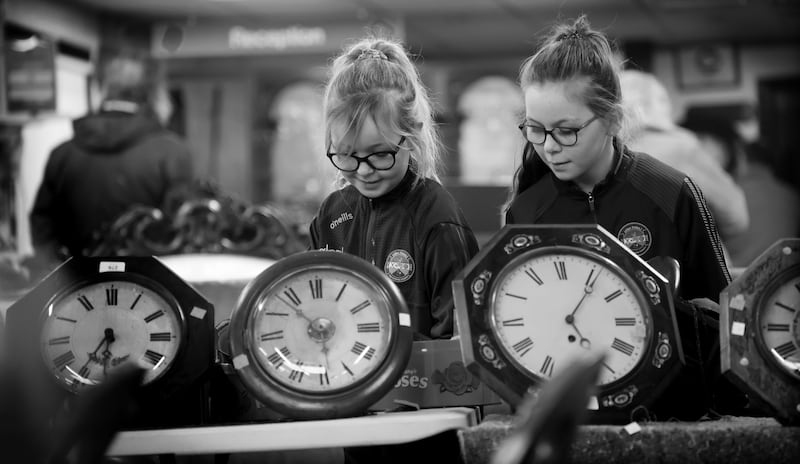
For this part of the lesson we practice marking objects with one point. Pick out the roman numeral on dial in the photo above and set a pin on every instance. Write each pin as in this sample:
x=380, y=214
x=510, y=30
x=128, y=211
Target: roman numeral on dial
x=523, y=346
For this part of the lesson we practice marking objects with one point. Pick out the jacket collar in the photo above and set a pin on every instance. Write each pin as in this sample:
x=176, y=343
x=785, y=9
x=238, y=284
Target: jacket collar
x=408, y=182
x=622, y=159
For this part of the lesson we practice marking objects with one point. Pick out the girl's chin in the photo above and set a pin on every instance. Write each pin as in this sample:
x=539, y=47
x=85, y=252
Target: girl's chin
x=370, y=190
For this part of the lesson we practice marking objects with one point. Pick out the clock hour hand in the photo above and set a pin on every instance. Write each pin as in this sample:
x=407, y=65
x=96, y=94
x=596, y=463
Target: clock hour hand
x=109, y=339
x=108, y=336
x=585, y=342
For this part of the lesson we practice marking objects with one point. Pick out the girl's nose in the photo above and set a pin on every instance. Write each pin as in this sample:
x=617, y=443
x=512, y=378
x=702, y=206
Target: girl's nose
x=364, y=168
x=551, y=146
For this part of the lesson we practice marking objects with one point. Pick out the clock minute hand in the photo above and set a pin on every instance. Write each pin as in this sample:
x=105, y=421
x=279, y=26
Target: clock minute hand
x=297, y=310
x=587, y=289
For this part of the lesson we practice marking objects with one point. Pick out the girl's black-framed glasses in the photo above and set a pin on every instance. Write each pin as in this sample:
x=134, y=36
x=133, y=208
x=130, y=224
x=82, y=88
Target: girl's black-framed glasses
x=380, y=160
x=564, y=136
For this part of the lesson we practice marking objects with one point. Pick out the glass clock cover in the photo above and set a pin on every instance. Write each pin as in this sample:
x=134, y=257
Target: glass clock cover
x=320, y=334
x=552, y=306
x=97, y=326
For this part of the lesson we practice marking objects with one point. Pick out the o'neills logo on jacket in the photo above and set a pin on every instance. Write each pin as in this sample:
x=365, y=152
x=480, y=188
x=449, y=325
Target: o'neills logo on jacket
x=344, y=217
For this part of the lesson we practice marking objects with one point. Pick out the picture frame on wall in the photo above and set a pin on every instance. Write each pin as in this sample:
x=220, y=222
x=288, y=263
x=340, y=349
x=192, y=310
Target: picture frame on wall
x=707, y=65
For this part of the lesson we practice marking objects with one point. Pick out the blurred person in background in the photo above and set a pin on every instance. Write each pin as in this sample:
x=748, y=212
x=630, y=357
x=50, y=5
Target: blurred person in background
x=119, y=156
x=654, y=131
x=773, y=205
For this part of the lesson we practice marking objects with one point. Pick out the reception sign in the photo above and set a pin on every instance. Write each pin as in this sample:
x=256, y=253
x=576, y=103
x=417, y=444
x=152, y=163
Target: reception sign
x=206, y=39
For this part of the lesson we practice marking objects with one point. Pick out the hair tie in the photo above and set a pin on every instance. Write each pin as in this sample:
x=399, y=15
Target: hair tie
x=574, y=35
x=372, y=54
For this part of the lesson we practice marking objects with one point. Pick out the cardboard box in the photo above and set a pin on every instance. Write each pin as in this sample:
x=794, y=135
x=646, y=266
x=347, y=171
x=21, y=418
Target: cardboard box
x=436, y=377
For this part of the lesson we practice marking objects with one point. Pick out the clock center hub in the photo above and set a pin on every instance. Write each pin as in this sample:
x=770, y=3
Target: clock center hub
x=321, y=329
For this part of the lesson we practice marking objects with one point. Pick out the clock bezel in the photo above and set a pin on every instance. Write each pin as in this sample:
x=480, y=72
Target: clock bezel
x=602, y=261
x=780, y=279
x=479, y=343
x=744, y=359
x=138, y=279
x=306, y=404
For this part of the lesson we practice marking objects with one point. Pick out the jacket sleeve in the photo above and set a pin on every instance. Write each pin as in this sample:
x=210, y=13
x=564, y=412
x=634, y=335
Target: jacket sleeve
x=703, y=270
x=448, y=248
x=313, y=234
x=178, y=170
x=725, y=198
x=43, y=215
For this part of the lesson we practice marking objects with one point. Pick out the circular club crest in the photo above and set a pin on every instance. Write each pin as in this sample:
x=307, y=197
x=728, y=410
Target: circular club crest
x=399, y=265
x=636, y=236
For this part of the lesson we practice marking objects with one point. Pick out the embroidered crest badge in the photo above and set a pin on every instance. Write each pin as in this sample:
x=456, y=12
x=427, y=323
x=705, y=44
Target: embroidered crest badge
x=636, y=236
x=399, y=265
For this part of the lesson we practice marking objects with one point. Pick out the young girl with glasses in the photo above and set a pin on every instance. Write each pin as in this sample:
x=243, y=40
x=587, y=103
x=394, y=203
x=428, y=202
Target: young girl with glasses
x=576, y=169
x=390, y=208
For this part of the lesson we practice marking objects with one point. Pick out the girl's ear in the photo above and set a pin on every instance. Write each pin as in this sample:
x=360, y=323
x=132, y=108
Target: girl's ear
x=612, y=128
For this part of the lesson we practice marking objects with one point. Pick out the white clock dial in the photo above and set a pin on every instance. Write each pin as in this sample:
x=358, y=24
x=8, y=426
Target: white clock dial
x=92, y=329
x=549, y=308
x=779, y=325
x=320, y=330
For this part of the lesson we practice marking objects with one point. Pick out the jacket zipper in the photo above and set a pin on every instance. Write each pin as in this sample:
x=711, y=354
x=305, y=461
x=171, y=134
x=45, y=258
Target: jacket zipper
x=590, y=197
x=369, y=242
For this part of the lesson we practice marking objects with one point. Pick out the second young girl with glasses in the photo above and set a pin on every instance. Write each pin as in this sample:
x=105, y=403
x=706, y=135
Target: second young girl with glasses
x=576, y=170
x=391, y=209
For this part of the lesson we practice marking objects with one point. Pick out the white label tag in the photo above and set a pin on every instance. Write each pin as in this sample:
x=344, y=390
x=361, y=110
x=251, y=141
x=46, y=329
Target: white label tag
x=198, y=313
x=737, y=328
x=405, y=319
x=240, y=362
x=112, y=266
x=632, y=428
x=737, y=302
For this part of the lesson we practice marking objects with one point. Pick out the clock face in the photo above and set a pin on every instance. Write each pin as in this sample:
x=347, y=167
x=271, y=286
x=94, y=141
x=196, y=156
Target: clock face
x=779, y=324
x=320, y=334
x=540, y=297
x=320, y=330
x=91, y=329
x=552, y=306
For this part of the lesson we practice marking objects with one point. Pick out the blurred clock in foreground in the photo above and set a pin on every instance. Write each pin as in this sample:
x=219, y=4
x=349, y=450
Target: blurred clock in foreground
x=92, y=315
x=760, y=330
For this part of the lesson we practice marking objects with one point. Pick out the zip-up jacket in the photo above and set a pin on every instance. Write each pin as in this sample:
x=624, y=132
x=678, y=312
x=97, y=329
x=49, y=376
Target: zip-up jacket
x=652, y=208
x=416, y=234
x=114, y=161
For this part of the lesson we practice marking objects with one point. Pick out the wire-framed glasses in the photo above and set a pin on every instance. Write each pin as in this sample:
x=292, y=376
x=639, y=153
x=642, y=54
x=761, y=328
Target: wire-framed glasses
x=380, y=160
x=564, y=136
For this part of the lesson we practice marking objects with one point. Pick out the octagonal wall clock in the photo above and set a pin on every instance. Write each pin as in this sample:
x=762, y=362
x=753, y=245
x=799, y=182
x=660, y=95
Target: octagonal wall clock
x=320, y=334
x=92, y=314
x=540, y=296
x=760, y=331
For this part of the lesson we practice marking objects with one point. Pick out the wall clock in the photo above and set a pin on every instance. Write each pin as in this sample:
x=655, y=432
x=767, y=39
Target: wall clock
x=760, y=331
x=92, y=315
x=539, y=297
x=320, y=334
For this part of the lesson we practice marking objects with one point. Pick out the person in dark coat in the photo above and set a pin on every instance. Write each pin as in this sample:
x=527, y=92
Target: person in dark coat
x=119, y=156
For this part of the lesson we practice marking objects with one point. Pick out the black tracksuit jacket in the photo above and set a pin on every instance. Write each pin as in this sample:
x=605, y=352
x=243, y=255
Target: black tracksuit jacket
x=656, y=211
x=651, y=207
x=416, y=234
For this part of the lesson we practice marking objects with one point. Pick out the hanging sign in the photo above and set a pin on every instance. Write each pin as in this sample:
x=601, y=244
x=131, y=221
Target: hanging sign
x=227, y=39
